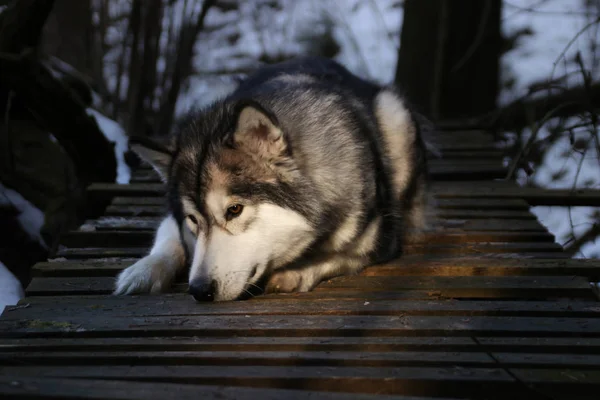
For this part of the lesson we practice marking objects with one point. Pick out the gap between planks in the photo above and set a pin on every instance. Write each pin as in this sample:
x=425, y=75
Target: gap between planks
x=409, y=265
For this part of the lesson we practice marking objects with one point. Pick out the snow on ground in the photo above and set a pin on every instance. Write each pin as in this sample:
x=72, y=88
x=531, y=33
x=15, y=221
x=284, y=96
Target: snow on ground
x=115, y=134
x=367, y=32
x=31, y=219
x=536, y=58
x=10, y=288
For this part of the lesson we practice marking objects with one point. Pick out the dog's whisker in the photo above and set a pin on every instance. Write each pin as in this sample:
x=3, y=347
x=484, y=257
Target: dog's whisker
x=253, y=284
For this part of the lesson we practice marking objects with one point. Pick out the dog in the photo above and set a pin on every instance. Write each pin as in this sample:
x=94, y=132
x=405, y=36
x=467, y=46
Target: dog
x=304, y=173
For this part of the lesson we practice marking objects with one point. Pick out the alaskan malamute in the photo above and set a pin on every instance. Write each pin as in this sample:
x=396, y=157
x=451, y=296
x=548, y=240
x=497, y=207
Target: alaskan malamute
x=304, y=173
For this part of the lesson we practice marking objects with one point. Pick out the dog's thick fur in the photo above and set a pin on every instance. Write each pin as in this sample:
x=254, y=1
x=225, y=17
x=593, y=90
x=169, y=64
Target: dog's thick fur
x=327, y=169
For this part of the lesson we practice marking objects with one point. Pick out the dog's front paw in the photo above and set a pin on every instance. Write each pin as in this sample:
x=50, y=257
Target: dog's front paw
x=149, y=275
x=288, y=281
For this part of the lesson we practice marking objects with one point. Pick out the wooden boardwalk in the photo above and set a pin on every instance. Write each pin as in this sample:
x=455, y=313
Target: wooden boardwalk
x=485, y=307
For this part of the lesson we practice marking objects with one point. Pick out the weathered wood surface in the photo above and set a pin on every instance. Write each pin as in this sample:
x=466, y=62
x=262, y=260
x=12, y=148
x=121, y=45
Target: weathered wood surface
x=476, y=189
x=526, y=287
x=525, y=249
x=17, y=386
x=484, y=306
x=407, y=266
x=120, y=238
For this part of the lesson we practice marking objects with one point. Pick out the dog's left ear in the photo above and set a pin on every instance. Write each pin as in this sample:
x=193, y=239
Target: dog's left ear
x=258, y=132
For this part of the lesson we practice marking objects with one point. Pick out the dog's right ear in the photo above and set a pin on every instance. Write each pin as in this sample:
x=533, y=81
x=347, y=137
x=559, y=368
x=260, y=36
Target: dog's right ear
x=157, y=155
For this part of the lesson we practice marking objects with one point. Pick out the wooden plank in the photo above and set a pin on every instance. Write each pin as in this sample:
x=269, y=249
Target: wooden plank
x=144, y=176
x=491, y=383
x=139, y=238
x=78, y=268
x=496, y=224
x=135, y=210
x=418, y=265
x=563, y=345
x=98, y=307
x=71, y=285
x=462, y=133
x=446, y=286
x=274, y=358
x=482, y=249
x=169, y=343
x=408, y=265
x=465, y=169
x=481, y=204
x=510, y=190
x=121, y=223
x=304, y=358
x=491, y=225
x=486, y=153
x=147, y=201
x=78, y=253
x=61, y=325
x=484, y=214
x=472, y=382
x=109, y=190
x=469, y=286
x=561, y=383
x=24, y=386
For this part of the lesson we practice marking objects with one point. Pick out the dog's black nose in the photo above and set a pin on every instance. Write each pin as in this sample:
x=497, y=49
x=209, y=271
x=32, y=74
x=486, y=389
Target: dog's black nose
x=203, y=289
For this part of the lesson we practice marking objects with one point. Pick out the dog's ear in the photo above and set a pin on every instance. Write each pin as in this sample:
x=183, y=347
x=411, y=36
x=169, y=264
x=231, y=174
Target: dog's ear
x=258, y=132
x=159, y=156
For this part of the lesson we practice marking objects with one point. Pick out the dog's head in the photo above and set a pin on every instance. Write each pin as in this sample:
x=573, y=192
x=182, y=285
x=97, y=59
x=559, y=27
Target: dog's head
x=233, y=187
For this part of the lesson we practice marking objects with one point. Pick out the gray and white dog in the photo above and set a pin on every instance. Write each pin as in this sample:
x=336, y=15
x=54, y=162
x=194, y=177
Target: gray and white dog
x=304, y=173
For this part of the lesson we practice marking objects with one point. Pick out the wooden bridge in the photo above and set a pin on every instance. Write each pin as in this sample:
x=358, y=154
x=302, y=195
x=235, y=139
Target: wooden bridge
x=486, y=307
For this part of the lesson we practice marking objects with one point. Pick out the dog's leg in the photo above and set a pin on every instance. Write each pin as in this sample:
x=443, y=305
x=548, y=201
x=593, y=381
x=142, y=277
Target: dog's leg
x=305, y=279
x=155, y=272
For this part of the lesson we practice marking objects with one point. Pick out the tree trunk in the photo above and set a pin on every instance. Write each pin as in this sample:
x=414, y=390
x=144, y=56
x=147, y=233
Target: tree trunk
x=135, y=63
x=142, y=107
x=67, y=34
x=183, y=66
x=448, y=63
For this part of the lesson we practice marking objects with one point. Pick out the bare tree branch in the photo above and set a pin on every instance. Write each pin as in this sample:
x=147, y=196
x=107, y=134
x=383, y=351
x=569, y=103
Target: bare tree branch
x=183, y=66
x=575, y=246
x=524, y=111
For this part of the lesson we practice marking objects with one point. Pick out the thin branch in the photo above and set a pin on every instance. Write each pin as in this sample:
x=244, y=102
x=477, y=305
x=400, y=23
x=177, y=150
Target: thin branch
x=591, y=235
x=478, y=38
x=573, y=40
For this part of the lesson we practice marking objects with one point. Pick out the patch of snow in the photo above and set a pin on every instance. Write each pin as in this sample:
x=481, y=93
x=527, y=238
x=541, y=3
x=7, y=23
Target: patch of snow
x=554, y=24
x=115, y=134
x=11, y=290
x=30, y=218
x=368, y=34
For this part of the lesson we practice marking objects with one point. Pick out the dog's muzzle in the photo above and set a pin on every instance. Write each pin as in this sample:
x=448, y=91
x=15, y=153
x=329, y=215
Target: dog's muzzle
x=203, y=289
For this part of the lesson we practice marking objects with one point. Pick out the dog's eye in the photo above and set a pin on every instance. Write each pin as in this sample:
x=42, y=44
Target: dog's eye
x=235, y=210
x=192, y=223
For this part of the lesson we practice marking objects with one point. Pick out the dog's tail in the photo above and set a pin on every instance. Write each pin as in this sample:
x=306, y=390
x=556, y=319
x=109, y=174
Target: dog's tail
x=428, y=134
